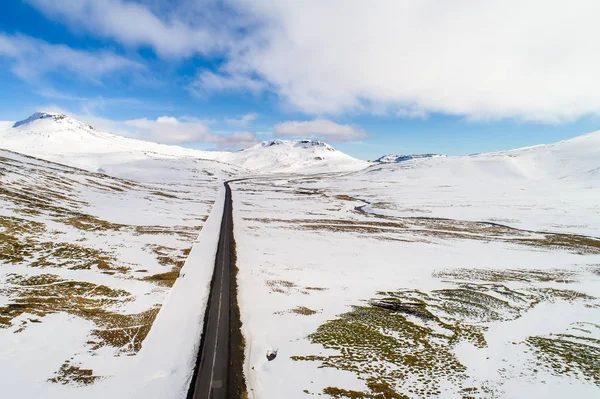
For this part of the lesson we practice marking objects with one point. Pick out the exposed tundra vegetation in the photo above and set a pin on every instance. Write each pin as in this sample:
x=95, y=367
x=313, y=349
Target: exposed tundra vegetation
x=442, y=299
x=100, y=249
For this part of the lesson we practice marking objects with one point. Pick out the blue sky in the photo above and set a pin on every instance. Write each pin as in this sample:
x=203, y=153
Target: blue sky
x=456, y=78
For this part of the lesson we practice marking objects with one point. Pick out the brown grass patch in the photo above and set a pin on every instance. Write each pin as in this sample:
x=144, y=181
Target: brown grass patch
x=303, y=310
x=70, y=374
x=166, y=279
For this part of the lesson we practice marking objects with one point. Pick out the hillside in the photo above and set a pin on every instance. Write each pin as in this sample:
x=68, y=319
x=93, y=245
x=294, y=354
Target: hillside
x=59, y=138
x=552, y=187
x=87, y=261
x=300, y=156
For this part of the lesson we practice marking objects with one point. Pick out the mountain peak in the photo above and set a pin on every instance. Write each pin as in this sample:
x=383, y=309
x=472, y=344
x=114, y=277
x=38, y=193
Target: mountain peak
x=283, y=156
x=51, y=116
x=304, y=143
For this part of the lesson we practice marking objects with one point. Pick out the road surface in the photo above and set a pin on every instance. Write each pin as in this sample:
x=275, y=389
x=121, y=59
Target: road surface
x=211, y=376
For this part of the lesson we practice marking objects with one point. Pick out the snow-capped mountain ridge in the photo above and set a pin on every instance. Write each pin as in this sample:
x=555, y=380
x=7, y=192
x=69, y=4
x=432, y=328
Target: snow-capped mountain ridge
x=304, y=156
x=54, y=133
x=390, y=158
x=60, y=138
x=304, y=143
x=572, y=160
x=56, y=117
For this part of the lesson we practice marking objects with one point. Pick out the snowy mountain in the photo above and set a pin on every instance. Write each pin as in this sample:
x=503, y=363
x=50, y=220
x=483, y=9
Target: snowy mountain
x=49, y=132
x=60, y=138
x=531, y=187
x=303, y=156
x=576, y=159
x=6, y=125
x=391, y=158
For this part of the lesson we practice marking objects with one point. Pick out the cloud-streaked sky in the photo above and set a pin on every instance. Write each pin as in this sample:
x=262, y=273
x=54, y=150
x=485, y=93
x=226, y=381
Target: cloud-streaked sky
x=401, y=76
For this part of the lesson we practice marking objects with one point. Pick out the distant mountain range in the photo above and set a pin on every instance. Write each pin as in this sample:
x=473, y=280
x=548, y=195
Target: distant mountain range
x=391, y=158
x=60, y=138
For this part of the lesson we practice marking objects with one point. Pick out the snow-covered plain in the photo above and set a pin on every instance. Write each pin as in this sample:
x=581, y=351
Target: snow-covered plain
x=411, y=280
x=430, y=277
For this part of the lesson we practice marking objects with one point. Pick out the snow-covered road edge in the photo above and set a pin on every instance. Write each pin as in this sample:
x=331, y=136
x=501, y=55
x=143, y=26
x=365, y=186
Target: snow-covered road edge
x=168, y=355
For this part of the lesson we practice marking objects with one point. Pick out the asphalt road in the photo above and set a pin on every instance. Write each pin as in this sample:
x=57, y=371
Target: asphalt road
x=212, y=371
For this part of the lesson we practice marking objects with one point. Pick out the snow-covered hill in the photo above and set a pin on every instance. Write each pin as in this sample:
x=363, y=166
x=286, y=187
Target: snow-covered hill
x=6, y=125
x=301, y=156
x=551, y=187
x=59, y=138
x=58, y=133
x=86, y=262
x=576, y=159
x=390, y=158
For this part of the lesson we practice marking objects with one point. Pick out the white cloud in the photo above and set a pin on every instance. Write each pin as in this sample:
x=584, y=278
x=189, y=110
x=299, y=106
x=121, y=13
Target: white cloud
x=169, y=130
x=207, y=82
x=243, y=121
x=172, y=130
x=321, y=128
x=235, y=140
x=134, y=24
x=32, y=58
x=526, y=59
x=532, y=60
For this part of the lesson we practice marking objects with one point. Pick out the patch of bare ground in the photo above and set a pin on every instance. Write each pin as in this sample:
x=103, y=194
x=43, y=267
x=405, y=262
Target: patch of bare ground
x=45, y=294
x=503, y=275
x=301, y=310
x=280, y=286
x=405, y=339
x=105, y=186
x=186, y=233
x=20, y=242
x=169, y=257
x=419, y=228
x=166, y=279
x=126, y=332
x=91, y=223
x=565, y=354
x=48, y=293
x=378, y=390
x=164, y=194
x=344, y=197
x=315, y=288
x=73, y=375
